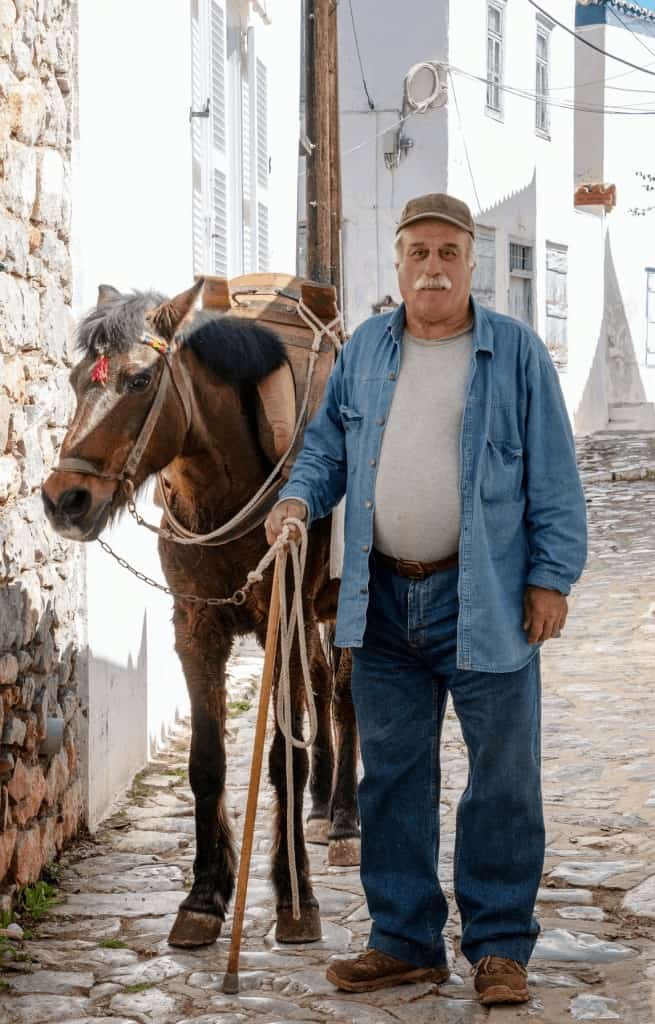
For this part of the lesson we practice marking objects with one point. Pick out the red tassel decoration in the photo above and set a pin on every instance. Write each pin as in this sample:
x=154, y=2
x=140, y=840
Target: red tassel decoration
x=100, y=372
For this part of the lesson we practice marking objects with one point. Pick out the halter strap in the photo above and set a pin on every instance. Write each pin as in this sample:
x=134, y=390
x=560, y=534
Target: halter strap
x=77, y=465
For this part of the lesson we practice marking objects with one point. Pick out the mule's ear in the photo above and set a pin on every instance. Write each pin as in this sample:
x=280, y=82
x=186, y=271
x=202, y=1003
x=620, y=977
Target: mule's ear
x=106, y=293
x=276, y=411
x=168, y=318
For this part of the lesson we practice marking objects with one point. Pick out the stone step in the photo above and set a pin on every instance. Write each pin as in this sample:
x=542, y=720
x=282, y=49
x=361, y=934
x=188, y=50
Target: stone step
x=630, y=416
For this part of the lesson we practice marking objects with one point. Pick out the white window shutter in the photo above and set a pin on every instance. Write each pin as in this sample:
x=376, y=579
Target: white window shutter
x=263, y=246
x=484, y=275
x=246, y=173
x=219, y=233
x=263, y=238
x=262, y=124
x=220, y=139
x=199, y=144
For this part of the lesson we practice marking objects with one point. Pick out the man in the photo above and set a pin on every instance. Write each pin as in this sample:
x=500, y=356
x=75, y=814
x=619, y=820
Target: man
x=444, y=425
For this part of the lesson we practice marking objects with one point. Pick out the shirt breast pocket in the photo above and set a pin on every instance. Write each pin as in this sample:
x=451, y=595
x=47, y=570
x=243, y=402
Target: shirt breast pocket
x=351, y=421
x=502, y=472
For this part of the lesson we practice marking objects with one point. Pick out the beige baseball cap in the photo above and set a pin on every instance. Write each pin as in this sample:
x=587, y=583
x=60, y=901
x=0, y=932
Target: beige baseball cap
x=438, y=206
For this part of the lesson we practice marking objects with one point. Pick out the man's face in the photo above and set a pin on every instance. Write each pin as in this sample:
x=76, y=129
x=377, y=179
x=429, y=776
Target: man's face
x=434, y=272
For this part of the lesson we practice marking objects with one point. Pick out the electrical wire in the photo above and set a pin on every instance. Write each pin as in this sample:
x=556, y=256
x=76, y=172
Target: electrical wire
x=533, y=97
x=587, y=42
x=632, y=31
x=466, y=149
x=371, y=104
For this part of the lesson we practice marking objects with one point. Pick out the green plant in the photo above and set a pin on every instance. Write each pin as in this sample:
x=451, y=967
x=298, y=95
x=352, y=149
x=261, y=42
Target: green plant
x=238, y=707
x=36, y=900
x=6, y=917
x=112, y=944
x=140, y=987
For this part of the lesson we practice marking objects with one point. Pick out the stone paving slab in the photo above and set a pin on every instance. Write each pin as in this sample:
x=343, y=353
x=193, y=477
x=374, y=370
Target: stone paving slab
x=102, y=956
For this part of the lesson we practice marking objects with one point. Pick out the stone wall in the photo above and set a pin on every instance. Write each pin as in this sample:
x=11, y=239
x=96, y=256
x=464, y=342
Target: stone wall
x=41, y=578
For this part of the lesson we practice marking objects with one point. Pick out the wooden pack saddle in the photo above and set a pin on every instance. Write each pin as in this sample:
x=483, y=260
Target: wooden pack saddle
x=276, y=301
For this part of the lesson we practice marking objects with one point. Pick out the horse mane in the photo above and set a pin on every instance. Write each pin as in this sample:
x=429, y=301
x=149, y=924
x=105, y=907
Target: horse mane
x=234, y=349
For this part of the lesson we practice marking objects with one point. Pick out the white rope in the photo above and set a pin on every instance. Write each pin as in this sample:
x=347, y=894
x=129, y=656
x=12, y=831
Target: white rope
x=318, y=328
x=284, y=708
x=284, y=545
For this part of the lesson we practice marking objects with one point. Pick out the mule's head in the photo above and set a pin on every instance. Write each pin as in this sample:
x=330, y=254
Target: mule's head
x=116, y=383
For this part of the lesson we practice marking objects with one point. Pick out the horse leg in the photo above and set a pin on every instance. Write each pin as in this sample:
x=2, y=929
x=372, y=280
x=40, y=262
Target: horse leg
x=322, y=763
x=308, y=928
x=202, y=913
x=344, y=844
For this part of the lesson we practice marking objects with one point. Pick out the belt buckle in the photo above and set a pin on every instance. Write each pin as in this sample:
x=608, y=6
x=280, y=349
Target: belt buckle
x=415, y=571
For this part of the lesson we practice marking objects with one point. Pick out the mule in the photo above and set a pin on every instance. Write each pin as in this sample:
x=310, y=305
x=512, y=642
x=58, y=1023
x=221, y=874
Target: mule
x=206, y=434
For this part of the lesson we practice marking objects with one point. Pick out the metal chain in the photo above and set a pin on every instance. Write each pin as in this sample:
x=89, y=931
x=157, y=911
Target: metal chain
x=238, y=597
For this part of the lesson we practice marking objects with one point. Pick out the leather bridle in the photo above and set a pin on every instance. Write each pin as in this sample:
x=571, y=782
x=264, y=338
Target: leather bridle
x=167, y=376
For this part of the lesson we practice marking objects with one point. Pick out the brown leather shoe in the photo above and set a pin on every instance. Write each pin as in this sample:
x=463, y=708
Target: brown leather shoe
x=372, y=970
x=500, y=980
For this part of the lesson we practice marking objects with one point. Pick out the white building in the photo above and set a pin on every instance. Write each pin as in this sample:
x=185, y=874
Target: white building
x=500, y=134
x=160, y=195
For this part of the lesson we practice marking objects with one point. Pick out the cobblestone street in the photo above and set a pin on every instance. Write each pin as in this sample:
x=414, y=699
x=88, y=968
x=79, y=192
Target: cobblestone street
x=102, y=956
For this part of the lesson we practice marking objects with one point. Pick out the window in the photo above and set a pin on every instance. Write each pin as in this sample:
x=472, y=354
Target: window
x=521, y=265
x=484, y=276
x=650, y=316
x=230, y=139
x=542, y=80
x=520, y=257
x=495, y=19
x=557, y=304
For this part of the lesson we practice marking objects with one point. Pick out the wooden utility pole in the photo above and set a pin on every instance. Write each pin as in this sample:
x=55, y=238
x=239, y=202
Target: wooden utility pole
x=322, y=130
x=335, y=155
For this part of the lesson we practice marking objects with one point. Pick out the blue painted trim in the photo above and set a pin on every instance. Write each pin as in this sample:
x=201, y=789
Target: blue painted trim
x=598, y=13
x=590, y=16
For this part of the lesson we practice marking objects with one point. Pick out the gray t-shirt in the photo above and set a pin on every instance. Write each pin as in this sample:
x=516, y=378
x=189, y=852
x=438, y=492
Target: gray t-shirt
x=417, y=503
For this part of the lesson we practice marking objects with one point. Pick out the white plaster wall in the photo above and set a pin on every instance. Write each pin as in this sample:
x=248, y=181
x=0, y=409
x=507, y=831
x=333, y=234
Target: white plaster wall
x=611, y=149
x=132, y=216
x=629, y=144
x=132, y=225
x=390, y=43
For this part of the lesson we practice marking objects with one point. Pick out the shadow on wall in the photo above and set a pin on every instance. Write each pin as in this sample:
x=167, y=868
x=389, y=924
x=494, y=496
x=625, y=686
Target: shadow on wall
x=41, y=793
x=116, y=734
x=614, y=390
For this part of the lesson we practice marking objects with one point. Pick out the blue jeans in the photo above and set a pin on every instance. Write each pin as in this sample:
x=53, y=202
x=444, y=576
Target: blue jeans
x=401, y=680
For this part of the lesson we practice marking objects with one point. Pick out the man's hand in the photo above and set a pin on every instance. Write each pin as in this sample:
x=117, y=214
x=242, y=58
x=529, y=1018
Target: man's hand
x=284, y=510
x=544, y=614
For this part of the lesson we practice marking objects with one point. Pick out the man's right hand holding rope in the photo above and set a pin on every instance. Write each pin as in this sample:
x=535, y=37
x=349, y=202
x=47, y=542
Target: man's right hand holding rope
x=289, y=509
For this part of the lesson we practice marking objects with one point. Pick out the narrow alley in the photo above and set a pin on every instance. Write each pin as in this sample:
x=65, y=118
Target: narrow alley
x=101, y=954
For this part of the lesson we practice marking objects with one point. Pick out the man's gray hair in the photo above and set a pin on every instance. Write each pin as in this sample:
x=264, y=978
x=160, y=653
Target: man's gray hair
x=398, y=249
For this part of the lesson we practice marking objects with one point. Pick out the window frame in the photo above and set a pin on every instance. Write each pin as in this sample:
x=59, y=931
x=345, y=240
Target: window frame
x=495, y=40
x=542, y=64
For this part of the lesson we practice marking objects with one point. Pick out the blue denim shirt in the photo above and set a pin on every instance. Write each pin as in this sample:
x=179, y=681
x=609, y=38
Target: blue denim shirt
x=523, y=517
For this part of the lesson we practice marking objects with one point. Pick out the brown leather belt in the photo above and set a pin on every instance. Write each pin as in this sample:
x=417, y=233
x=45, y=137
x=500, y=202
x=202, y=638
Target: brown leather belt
x=416, y=570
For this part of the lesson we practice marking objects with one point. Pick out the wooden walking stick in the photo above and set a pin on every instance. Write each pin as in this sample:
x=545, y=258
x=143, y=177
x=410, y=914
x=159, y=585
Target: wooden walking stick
x=231, y=979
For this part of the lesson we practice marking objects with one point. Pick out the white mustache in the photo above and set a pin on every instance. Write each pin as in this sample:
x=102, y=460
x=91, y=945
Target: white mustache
x=439, y=283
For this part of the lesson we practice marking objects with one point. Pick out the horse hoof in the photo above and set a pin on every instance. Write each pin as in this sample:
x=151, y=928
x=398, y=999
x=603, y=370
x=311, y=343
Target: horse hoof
x=344, y=853
x=316, y=831
x=307, y=929
x=192, y=929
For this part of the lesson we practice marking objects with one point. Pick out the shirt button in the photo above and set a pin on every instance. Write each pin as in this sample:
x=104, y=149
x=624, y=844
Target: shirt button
x=368, y=504
x=372, y=462
x=380, y=421
x=392, y=376
x=363, y=590
x=365, y=548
